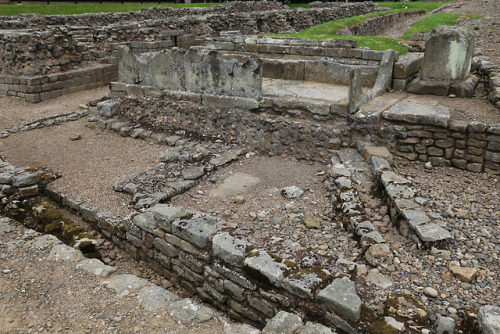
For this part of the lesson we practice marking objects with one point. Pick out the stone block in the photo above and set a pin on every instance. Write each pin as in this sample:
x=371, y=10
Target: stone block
x=407, y=65
x=379, y=254
x=283, y=69
x=448, y=53
x=283, y=323
x=165, y=214
x=488, y=318
x=432, y=232
x=418, y=114
x=108, y=108
x=342, y=298
x=267, y=266
x=465, y=88
x=196, y=231
x=229, y=249
x=429, y=87
x=331, y=72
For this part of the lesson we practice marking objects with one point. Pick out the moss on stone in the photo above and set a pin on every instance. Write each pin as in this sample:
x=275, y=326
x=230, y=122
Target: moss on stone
x=371, y=323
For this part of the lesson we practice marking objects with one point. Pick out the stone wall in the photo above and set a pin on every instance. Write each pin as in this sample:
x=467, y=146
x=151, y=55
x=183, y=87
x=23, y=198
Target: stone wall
x=195, y=70
x=260, y=131
x=377, y=25
x=30, y=52
x=474, y=146
x=101, y=30
x=39, y=88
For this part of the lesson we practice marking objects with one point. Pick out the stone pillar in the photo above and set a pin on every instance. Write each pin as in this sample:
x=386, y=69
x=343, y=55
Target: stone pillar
x=448, y=54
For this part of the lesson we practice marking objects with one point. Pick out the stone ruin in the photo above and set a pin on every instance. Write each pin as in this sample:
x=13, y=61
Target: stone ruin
x=204, y=72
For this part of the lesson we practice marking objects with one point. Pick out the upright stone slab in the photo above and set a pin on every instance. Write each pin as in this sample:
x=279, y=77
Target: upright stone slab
x=448, y=54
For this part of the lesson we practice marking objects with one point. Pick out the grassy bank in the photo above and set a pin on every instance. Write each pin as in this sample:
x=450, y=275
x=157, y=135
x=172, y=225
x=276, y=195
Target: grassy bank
x=428, y=23
x=69, y=9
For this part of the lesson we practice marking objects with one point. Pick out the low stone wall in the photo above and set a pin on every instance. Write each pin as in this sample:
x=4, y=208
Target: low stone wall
x=39, y=88
x=263, y=132
x=473, y=146
x=101, y=30
x=377, y=25
x=30, y=52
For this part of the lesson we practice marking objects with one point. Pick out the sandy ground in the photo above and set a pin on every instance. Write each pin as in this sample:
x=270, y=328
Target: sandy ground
x=14, y=111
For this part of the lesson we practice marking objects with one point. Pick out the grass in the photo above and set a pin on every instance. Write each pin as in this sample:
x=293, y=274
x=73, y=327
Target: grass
x=427, y=6
x=428, y=23
x=69, y=9
x=332, y=28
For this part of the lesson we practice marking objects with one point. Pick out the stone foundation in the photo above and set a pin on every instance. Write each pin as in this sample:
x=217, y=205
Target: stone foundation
x=41, y=88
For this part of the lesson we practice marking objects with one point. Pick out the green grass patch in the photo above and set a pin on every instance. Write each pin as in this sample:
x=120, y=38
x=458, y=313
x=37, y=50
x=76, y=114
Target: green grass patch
x=298, y=5
x=427, y=6
x=428, y=23
x=378, y=43
x=70, y=9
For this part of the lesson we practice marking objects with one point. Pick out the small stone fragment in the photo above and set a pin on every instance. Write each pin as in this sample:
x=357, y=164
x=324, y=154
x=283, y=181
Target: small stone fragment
x=464, y=274
x=292, y=192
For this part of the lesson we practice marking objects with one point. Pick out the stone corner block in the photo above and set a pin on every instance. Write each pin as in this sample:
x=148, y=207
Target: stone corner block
x=229, y=249
x=196, y=231
x=341, y=297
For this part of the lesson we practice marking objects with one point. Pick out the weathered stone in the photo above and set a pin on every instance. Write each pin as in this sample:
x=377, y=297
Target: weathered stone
x=283, y=323
x=488, y=318
x=432, y=232
x=197, y=231
x=193, y=173
x=165, y=214
x=124, y=284
x=464, y=274
x=418, y=113
x=65, y=253
x=145, y=221
x=448, y=53
x=302, y=283
x=342, y=298
x=188, y=313
x=292, y=192
x=95, y=267
x=445, y=325
x=315, y=328
x=376, y=278
x=229, y=249
x=415, y=217
x=154, y=297
x=428, y=87
x=379, y=254
x=108, y=108
x=267, y=266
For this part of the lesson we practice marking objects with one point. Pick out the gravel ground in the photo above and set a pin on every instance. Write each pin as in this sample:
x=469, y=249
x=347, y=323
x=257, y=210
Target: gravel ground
x=40, y=295
x=453, y=193
x=267, y=219
x=14, y=111
x=88, y=167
